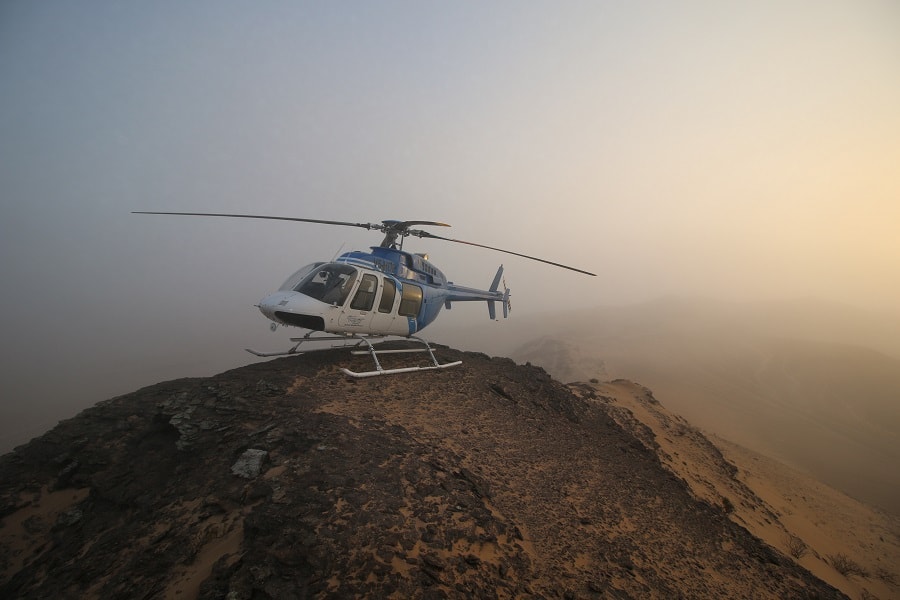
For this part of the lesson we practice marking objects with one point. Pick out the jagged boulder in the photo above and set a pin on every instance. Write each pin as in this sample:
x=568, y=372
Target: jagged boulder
x=249, y=464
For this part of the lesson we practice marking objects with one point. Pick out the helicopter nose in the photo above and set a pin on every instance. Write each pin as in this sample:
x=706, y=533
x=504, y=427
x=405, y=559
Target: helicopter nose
x=272, y=303
x=292, y=308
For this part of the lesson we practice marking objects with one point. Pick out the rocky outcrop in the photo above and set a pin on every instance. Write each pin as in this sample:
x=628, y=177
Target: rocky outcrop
x=285, y=479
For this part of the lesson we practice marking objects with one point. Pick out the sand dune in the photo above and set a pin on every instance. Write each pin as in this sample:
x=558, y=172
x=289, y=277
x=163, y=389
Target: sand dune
x=786, y=509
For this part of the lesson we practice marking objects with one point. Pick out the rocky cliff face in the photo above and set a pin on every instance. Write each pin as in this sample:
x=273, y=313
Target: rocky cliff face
x=285, y=479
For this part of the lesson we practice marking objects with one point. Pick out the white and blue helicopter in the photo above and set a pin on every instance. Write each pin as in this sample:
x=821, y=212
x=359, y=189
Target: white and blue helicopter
x=372, y=295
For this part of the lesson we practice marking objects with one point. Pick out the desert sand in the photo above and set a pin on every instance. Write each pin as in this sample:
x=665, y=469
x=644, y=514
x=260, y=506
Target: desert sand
x=788, y=509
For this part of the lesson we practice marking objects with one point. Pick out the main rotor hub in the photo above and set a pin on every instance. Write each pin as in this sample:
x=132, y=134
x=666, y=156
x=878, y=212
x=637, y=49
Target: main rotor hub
x=393, y=229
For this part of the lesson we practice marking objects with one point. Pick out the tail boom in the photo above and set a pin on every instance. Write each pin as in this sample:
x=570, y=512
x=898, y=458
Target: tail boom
x=457, y=293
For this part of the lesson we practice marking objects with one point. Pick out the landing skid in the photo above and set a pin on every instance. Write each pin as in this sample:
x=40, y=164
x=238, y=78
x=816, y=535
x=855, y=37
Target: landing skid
x=379, y=370
x=360, y=340
x=309, y=338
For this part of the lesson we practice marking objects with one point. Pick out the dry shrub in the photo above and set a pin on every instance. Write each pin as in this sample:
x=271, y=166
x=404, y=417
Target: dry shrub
x=846, y=566
x=796, y=546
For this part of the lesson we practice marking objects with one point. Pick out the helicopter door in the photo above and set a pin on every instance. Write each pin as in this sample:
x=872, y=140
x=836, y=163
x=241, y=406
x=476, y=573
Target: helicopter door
x=385, y=319
x=356, y=315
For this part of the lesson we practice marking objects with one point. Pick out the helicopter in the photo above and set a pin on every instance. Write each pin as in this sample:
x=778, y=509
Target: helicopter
x=372, y=295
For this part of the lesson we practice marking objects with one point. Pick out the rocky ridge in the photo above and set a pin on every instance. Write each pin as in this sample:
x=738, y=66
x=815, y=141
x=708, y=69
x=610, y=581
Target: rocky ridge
x=285, y=479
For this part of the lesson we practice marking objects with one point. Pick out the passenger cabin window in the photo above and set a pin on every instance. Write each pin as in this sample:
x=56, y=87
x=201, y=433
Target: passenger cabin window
x=387, y=296
x=365, y=295
x=330, y=283
x=410, y=300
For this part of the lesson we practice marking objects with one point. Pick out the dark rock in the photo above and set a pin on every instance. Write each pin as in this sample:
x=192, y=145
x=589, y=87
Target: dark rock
x=34, y=525
x=249, y=464
x=434, y=562
x=426, y=485
x=65, y=475
x=69, y=517
x=500, y=391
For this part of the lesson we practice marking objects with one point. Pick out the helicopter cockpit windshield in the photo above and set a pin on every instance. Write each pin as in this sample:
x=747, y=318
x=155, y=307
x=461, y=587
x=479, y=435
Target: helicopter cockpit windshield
x=300, y=275
x=327, y=282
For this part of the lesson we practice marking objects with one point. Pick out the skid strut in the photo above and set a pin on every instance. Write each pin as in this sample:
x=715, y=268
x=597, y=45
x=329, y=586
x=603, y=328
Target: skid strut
x=308, y=338
x=379, y=370
x=370, y=350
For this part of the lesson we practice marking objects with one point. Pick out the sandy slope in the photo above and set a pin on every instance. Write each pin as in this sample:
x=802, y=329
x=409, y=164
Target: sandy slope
x=771, y=500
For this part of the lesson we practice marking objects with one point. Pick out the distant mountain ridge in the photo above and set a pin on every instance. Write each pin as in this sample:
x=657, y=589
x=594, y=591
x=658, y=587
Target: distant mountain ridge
x=284, y=479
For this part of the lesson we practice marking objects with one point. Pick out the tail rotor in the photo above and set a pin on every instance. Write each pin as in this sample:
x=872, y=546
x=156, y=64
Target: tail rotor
x=495, y=287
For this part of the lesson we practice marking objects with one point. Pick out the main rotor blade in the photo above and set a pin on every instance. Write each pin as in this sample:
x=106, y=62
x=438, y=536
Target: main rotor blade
x=397, y=227
x=191, y=214
x=425, y=234
x=406, y=224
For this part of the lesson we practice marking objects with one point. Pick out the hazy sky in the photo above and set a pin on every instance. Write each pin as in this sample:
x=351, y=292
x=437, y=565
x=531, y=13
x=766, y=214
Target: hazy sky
x=735, y=150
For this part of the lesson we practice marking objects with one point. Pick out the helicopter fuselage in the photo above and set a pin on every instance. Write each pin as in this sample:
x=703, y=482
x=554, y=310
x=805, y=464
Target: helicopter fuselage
x=383, y=292
x=363, y=295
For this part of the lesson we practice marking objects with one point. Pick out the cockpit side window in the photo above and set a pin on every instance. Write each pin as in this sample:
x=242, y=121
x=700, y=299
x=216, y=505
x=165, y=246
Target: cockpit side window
x=330, y=283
